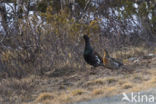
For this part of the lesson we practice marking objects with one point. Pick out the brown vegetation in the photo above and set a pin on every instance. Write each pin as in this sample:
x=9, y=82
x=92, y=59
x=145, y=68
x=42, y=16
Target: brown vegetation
x=70, y=86
x=41, y=53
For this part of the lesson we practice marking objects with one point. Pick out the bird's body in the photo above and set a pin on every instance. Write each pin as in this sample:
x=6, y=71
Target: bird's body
x=91, y=56
x=110, y=62
x=94, y=59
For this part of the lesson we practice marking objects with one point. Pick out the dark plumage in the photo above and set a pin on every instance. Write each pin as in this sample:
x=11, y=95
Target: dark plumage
x=94, y=59
x=90, y=56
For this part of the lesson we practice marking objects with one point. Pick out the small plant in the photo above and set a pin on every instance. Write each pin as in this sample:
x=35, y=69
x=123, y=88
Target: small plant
x=111, y=80
x=127, y=85
x=98, y=91
x=44, y=96
x=78, y=92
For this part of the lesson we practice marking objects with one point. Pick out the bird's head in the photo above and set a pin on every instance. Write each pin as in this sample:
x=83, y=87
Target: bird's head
x=86, y=37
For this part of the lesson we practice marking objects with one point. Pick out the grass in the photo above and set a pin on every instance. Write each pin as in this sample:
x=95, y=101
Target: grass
x=78, y=92
x=127, y=85
x=99, y=81
x=97, y=91
x=102, y=81
x=44, y=96
x=104, y=87
x=17, y=90
x=111, y=80
x=130, y=52
x=72, y=86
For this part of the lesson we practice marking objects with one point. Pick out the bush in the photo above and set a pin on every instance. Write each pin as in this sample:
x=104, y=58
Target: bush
x=40, y=47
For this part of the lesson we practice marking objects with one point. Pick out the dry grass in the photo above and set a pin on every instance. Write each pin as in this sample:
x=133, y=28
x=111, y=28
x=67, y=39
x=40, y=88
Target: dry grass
x=128, y=52
x=44, y=96
x=17, y=90
x=19, y=84
x=108, y=86
x=66, y=85
x=99, y=81
x=127, y=85
x=103, y=86
x=111, y=80
x=98, y=91
x=102, y=81
x=78, y=92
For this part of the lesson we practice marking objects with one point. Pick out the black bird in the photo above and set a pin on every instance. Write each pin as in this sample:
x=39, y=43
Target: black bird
x=91, y=56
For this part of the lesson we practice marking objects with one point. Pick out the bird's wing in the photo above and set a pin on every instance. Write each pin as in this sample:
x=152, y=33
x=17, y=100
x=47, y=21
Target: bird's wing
x=97, y=58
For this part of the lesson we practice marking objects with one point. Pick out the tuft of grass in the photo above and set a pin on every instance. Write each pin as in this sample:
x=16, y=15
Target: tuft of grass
x=127, y=85
x=128, y=52
x=111, y=80
x=78, y=92
x=44, y=96
x=13, y=84
x=64, y=97
x=137, y=78
x=152, y=80
x=97, y=91
x=99, y=81
x=109, y=91
x=102, y=81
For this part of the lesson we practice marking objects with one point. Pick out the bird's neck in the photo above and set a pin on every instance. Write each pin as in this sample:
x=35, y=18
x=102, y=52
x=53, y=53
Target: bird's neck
x=87, y=45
